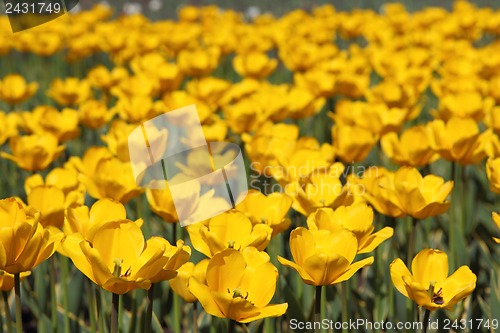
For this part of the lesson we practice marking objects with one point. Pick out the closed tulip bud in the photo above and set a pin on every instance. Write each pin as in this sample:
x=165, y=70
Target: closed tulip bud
x=352, y=143
x=24, y=243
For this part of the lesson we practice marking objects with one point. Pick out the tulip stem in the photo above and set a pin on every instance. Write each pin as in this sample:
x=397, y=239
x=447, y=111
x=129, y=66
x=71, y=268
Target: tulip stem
x=232, y=326
x=411, y=241
x=345, y=311
x=426, y=320
x=7, y=311
x=317, y=307
x=195, y=317
x=19, y=315
x=149, y=311
x=114, y=313
x=92, y=307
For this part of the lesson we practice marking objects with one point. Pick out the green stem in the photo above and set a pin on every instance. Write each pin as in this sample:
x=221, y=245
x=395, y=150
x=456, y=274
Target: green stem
x=411, y=242
x=195, y=317
x=64, y=286
x=92, y=307
x=7, y=311
x=19, y=315
x=232, y=326
x=317, y=307
x=345, y=310
x=115, y=302
x=114, y=313
x=177, y=313
x=149, y=310
x=426, y=320
x=53, y=295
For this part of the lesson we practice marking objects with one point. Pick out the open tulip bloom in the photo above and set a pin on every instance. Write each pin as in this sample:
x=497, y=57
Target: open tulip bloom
x=239, y=286
x=428, y=284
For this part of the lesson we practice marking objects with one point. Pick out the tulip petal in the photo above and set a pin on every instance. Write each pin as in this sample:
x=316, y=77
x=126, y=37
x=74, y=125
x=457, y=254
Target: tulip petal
x=371, y=242
x=398, y=272
x=303, y=274
x=459, y=285
x=353, y=268
x=430, y=265
x=272, y=310
x=204, y=296
x=225, y=270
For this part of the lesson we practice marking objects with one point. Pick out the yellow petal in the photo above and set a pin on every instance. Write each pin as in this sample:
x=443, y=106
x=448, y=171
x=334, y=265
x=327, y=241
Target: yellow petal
x=353, y=268
x=430, y=265
x=204, y=296
x=398, y=272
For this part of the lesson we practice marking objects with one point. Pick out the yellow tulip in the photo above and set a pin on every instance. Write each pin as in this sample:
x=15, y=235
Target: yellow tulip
x=9, y=123
x=180, y=98
x=33, y=152
x=198, y=62
x=137, y=85
x=155, y=66
x=464, y=105
x=24, y=243
x=209, y=90
x=94, y=114
x=271, y=142
x=81, y=219
x=239, y=286
x=408, y=193
x=323, y=257
x=496, y=219
x=319, y=82
x=135, y=109
x=191, y=202
x=357, y=218
x=254, y=65
x=121, y=243
x=428, y=284
x=458, y=140
x=112, y=179
x=105, y=79
x=180, y=284
x=493, y=173
x=271, y=210
x=352, y=143
x=63, y=125
x=379, y=119
x=70, y=91
x=322, y=188
x=492, y=119
x=14, y=89
x=231, y=229
x=405, y=152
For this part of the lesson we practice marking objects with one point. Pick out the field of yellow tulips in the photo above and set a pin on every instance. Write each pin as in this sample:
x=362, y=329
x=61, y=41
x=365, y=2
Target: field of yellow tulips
x=371, y=149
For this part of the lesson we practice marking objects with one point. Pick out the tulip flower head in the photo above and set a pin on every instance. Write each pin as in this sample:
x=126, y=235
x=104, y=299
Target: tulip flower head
x=239, y=286
x=428, y=284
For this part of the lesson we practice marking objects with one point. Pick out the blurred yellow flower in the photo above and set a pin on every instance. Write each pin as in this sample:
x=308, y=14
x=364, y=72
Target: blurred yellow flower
x=9, y=123
x=33, y=152
x=121, y=244
x=271, y=209
x=105, y=79
x=404, y=150
x=7, y=279
x=231, y=229
x=62, y=124
x=352, y=143
x=406, y=192
x=239, y=286
x=24, y=243
x=180, y=284
x=199, y=61
x=357, y=218
x=493, y=173
x=94, y=114
x=464, y=105
x=458, y=140
x=323, y=257
x=254, y=65
x=70, y=91
x=428, y=284
x=14, y=89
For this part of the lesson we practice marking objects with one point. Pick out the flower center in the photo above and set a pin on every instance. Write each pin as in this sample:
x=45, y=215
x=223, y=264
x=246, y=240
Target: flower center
x=238, y=293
